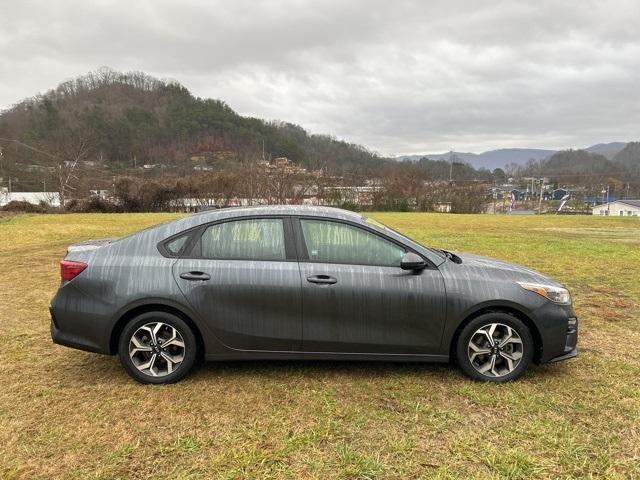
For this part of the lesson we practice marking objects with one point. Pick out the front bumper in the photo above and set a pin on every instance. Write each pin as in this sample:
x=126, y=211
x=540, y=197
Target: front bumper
x=563, y=345
x=573, y=353
x=558, y=329
x=571, y=342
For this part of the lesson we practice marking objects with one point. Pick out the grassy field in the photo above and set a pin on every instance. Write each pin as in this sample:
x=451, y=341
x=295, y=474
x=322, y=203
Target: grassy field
x=70, y=414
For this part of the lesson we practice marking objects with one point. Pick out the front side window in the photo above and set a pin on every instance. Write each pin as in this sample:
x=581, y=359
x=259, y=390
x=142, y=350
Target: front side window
x=252, y=239
x=333, y=242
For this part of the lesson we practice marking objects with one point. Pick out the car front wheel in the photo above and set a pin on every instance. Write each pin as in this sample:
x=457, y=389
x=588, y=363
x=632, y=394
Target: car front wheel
x=157, y=347
x=495, y=347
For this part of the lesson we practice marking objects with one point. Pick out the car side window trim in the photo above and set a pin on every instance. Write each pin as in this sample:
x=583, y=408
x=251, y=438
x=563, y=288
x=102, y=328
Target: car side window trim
x=195, y=249
x=192, y=236
x=295, y=245
x=301, y=245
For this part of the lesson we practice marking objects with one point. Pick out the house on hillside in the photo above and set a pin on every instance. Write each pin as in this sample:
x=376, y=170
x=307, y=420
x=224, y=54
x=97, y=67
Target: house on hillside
x=519, y=195
x=559, y=193
x=101, y=194
x=619, y=208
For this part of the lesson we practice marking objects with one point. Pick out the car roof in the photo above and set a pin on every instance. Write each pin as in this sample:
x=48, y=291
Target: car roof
x=302, y=210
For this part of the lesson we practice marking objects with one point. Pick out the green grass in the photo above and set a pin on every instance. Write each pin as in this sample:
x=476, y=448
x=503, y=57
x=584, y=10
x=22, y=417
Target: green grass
x=70, y=414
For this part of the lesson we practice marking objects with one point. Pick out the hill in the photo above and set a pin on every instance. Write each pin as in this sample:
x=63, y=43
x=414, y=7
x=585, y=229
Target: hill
x=577, y=162
x=609, y=150
x=629, y=157
x=120, y=121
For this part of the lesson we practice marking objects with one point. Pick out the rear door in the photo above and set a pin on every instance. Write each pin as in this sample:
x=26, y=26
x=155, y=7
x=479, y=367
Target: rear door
x=242, y=276
x=357, y=299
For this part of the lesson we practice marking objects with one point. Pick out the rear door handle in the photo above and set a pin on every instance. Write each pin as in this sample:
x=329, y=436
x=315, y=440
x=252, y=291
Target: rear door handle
x=322, y=279
x=195, y=276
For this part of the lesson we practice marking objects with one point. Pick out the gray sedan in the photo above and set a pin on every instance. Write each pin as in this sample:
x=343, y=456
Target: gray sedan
x=295, y=282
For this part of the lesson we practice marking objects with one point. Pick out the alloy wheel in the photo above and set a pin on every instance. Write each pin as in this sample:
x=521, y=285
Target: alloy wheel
x=495, y=350
x=156, y=349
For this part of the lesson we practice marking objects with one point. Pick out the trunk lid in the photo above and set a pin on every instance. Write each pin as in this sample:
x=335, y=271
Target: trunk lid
x=88, y=245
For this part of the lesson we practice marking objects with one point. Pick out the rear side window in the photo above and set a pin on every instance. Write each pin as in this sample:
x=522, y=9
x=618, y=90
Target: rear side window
x=252, y=239
x=175, y=246
x=333, y=242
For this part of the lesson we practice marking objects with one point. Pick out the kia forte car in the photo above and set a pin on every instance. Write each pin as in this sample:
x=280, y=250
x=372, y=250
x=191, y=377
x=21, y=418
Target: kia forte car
x=297, y=282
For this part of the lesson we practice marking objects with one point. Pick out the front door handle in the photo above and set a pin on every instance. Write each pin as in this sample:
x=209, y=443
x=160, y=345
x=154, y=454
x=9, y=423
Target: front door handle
x=195, y=276
x=322, y=279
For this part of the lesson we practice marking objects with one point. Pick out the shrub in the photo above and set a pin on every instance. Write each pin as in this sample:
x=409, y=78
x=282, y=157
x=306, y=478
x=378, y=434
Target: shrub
x=91, y=205
x=26, y=207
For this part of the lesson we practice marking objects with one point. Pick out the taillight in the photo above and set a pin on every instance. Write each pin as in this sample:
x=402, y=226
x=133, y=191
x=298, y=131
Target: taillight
x=70, y=270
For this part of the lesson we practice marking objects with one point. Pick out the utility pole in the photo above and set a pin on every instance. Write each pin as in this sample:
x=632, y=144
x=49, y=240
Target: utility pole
x=451, y=168
x=540, y=201
x=608, y=204
x=532, y=196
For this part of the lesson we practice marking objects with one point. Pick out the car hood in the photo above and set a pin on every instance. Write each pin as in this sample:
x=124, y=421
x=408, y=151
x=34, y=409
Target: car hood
x=504, y=269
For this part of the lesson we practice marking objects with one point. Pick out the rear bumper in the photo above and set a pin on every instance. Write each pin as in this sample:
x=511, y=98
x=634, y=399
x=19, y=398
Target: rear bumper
x=72, y=341
x=71, y=330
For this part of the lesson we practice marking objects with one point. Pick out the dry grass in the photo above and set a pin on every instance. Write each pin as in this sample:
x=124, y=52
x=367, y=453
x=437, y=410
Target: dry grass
x=70, y=414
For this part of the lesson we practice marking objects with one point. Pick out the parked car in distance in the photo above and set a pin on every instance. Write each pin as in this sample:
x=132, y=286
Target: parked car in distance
x=298, y=282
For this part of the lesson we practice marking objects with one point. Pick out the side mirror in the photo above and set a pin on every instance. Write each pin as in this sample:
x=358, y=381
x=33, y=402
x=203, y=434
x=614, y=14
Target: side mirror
x=412, y=261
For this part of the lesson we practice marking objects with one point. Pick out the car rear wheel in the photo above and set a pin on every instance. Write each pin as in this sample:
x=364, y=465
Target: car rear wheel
x=495, y=347
x=157, y=347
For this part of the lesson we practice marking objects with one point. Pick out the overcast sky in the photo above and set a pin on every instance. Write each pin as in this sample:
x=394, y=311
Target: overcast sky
x=396, y=76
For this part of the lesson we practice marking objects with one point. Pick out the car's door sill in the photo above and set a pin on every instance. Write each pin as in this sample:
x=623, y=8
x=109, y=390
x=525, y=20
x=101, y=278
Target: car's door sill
x=266, y=355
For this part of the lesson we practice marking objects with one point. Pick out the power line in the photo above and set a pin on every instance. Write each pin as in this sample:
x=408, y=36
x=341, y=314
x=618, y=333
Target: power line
x=13, y=140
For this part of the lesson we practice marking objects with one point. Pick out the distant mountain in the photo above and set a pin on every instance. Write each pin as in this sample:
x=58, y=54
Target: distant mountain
x=609, y=150
x=499, y=158
x=491, y=159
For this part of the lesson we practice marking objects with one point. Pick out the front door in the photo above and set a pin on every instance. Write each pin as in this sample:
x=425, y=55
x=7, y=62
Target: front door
x=242, y=277
x=357, y=299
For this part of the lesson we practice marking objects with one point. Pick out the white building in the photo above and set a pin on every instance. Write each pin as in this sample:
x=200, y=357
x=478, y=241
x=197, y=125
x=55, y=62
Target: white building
x=50, y=198
x=619, y=208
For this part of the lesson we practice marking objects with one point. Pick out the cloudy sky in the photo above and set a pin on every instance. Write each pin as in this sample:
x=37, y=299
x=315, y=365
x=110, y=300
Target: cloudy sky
x=397, y=76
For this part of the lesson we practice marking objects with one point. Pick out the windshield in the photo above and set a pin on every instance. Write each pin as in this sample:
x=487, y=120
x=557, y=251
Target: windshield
x=386, y=229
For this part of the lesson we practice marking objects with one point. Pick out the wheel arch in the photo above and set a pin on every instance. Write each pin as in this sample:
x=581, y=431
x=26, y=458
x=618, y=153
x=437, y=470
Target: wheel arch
x=136, y=310
x=508, y=309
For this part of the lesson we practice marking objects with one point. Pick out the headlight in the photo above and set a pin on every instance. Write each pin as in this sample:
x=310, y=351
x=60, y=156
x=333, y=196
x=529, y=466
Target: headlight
x=555, y=294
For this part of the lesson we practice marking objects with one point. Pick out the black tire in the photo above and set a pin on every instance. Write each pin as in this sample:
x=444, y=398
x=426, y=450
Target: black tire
x=188, y=353
x=502, y=365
